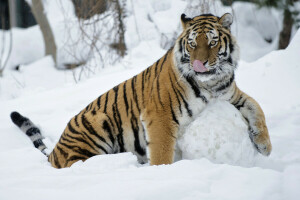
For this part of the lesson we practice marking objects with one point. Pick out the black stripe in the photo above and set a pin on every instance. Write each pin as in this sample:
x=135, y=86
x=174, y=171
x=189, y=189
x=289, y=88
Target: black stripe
x=231, y=48
x=116, y=88
x=185, y=59
x=229, y=60
x=143, y=76
x=99, y=101
x=230, y=41
x=196, y=89
x=106, y=128
x=238, y=101
x=241, y=105
x=116, y=113
x=135, y=129
x=133, y=80
x=72, y=129
x=88, y=107
x=38, y=143
x=226, y=85
x=172, y=111
x=125, y=97
x=78, y=140
x=206, y=24
x=111, y=123
x=121, y=143
x=147, y=70
x=76, y=120
x=180, y=45
x=174, y=76
x=177, y=98
x=91, y=105
x=94, y=142
x=62, y=152
x=106, y=100
x=186, y=105
x=150, y=72
x=79, y=150
x=87, y=125
x=156, y=66
x=94, y=112
x=225, y=52
x=64, y=138
x=33, y=131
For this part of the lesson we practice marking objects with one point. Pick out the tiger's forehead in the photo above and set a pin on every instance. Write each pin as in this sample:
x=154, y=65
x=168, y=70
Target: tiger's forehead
x=208, y=18
x=205, y=23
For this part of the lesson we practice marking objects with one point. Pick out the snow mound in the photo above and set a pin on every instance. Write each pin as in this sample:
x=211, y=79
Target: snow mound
x=276, y=78
x=105, y=163
x=220, y=135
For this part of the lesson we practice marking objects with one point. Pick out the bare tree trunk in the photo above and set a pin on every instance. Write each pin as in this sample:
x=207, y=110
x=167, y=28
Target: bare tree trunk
x=285, y=34
x=120, y=46
x=38, y=12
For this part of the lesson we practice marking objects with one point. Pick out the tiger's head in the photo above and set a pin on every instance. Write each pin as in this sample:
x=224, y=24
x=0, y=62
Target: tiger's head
x=206, y=48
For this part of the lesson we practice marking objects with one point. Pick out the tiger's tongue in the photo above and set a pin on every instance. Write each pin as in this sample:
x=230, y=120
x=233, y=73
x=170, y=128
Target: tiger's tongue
x=198, y=66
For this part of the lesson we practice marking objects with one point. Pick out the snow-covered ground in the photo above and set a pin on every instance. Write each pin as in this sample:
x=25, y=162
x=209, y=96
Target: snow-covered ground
x=219, y=161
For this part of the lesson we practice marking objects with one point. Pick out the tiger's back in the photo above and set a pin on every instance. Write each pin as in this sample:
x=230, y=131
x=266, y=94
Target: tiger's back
x=112, y=122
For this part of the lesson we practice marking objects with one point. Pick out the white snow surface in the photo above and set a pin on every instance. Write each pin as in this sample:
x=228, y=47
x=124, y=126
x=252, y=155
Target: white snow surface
x=218, y=162
x=227, y=142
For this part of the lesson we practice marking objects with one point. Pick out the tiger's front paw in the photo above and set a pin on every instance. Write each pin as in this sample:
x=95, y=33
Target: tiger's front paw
x=261, y=140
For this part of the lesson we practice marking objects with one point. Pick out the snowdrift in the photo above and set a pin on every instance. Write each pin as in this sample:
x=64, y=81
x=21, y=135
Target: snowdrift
x=272, y=80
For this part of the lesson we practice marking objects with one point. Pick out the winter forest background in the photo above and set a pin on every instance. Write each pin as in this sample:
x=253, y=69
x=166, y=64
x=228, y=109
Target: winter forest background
x=56, y=56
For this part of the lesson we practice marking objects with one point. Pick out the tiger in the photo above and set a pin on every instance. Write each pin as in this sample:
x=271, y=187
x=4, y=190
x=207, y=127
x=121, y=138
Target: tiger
x=147, y=113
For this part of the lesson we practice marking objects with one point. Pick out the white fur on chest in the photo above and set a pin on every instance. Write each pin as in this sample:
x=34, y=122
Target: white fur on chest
x=196, y=105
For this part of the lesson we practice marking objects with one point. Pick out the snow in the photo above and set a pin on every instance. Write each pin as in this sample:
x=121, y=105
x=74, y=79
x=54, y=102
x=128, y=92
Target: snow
x=227, y=142
x=218, y=162
x=24, y=43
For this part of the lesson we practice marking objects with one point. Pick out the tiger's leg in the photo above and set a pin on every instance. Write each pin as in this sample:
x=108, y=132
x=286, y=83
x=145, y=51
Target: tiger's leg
x=86, y=135
x=161, y=139
x=255, y=118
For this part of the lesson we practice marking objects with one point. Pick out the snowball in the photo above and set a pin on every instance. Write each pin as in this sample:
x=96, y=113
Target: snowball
x=220, y=135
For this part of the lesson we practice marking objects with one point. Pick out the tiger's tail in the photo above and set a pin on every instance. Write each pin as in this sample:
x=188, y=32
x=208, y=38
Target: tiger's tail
x=31, y=130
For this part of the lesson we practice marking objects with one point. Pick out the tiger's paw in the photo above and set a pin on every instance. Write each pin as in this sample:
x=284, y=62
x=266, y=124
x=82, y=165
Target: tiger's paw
x=261, y=140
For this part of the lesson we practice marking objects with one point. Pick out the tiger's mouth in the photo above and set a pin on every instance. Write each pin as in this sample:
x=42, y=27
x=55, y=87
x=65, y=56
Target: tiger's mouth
x=200, y=68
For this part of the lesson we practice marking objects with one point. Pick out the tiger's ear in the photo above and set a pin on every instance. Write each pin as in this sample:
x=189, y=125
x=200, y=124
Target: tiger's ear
x=185, y=21
x=226, y=20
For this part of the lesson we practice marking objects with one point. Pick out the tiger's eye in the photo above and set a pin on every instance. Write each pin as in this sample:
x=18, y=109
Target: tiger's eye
x=193, y=44
x=212, y=42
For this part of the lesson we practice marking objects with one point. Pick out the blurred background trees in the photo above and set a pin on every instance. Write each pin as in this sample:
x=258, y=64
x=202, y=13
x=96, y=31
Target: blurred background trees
x=92, y=33
x=289, y=16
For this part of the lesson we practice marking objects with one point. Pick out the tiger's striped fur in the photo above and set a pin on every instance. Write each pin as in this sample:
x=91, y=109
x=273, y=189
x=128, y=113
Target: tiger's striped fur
x=147, y=113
